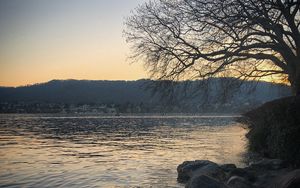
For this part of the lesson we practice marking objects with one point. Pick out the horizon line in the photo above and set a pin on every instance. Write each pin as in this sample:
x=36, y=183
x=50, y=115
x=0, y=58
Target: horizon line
x=111, y=80
x=70, y=79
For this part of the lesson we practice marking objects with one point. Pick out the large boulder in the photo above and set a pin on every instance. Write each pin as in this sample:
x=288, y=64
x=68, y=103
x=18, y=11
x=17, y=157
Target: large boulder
x=266, y=170
x=269, y=164
x=189, y=169
x=204, y=181
x=228, y=167
x=241, y=172
x=289, y=180
x=238, y=182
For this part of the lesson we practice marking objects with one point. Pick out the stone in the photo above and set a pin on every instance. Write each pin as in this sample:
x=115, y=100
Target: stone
x=189, y=169
x=204, y=181
x=238, y=182
x=242, y=173
x=289, y=180
x=228, y=167
x=269, y=164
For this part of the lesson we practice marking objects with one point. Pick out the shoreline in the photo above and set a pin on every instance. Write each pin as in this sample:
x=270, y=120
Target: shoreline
x=273, y=173
x=273, y=135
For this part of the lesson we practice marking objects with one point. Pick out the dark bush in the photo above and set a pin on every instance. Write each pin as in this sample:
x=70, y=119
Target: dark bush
x=275, y=129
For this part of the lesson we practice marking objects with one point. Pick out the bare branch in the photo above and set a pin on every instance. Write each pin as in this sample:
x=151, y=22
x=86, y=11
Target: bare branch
x=180, y=39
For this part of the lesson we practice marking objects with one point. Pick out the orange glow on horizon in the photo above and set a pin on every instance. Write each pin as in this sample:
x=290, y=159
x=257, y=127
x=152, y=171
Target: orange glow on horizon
x=45, y=40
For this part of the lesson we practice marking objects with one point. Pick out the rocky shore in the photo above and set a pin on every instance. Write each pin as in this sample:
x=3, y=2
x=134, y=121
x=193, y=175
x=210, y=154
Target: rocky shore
x=273, y=173
x=274, y=130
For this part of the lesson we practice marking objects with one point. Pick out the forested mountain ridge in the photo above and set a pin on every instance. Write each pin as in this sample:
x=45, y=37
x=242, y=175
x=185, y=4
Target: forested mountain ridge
x=140, y=92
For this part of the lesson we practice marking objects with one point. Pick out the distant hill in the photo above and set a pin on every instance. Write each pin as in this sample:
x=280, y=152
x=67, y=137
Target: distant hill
x=135, y=92
x=77, y=91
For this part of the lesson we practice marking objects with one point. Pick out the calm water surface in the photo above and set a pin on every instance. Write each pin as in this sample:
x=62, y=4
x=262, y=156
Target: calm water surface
x=129, y=151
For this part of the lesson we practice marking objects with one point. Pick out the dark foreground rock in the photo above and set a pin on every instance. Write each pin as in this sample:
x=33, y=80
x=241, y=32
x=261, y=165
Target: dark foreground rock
x=189, y=169
x=290, y=180
x=273, y=173
x=238, y=182
x=204, y=181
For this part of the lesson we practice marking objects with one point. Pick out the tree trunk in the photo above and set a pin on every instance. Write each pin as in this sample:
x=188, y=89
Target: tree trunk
x=295, y=82
x=296, y=89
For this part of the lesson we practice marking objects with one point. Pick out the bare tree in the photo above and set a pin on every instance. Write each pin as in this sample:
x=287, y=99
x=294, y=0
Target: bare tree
x=188, y=39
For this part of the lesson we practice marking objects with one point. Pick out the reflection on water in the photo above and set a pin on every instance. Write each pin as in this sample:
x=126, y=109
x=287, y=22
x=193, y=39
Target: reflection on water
x=48, y=151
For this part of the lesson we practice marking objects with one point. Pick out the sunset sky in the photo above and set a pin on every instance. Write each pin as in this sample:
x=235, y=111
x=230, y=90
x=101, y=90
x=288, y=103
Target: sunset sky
x=41, y=40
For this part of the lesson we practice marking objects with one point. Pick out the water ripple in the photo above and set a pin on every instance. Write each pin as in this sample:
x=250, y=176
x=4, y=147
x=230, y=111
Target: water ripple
x=126, y=151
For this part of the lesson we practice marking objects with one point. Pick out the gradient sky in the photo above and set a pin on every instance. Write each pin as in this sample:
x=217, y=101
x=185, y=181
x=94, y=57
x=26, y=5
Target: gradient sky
x=42, y=40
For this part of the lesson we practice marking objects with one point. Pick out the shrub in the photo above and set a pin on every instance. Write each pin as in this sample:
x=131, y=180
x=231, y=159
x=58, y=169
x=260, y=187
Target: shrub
x=275, y=129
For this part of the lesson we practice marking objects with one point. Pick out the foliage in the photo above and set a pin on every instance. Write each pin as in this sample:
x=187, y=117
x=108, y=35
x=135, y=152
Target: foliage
x=275, y=129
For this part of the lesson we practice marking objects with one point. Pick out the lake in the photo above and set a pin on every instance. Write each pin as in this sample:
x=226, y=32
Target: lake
x=107, y=151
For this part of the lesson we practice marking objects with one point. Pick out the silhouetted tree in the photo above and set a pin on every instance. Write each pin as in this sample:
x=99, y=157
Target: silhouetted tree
x=247, y=39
